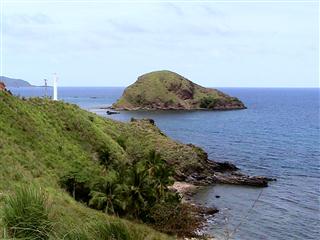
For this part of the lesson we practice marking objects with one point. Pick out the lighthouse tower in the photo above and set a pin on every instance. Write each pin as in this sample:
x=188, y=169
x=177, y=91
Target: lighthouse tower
x=55, y=87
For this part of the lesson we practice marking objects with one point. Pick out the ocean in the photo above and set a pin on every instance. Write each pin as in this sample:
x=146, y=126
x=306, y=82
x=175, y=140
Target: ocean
x=277, y=136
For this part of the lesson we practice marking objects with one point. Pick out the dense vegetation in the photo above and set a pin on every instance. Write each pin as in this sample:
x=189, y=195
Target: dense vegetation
x=208, y=102
x=80, y=172
x=169, y=90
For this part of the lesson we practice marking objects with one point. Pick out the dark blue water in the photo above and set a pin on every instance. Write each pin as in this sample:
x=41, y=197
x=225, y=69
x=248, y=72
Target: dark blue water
x=277, y=136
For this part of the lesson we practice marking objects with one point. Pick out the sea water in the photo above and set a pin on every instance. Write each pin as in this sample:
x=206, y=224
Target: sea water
x=277, y=136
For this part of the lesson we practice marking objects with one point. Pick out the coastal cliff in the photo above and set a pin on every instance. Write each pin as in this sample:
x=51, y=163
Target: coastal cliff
x=190, y=162
x=166, y=90
x=77, y=156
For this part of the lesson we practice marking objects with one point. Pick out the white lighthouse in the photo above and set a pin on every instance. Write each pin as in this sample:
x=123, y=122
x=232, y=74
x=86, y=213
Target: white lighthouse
x=55, y=87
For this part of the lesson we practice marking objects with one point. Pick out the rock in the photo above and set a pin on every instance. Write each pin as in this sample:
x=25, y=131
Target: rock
x=207, y=210
x=184, y=189
x=224, y=166
x=240, y=179
x=112, y=112
x=148, y=120
x=211, y=211
x=217, y=196
x=227, y=177
x=2, y=86
x=151, y=121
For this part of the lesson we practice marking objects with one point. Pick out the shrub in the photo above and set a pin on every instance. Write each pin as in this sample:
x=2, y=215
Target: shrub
x=91, y=118
x=208, y=102
x=178, y=219
x=140, y=99
x=76, y=184
x=26, y=214
x=104, y=156
x=121, y=140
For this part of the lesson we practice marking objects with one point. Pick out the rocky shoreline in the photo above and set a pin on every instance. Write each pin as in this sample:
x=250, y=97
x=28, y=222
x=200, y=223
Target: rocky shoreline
x=157, y=107
x=202, y=213
x=218, y=173
x=187, y=189
x=223, y=173
x=233, y=177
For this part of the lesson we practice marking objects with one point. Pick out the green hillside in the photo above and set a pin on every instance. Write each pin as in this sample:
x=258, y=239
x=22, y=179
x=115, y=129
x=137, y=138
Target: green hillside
x=72, y=155
x=169, y=90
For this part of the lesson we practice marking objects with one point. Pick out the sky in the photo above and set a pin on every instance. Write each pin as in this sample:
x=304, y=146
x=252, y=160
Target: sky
x=215, y=44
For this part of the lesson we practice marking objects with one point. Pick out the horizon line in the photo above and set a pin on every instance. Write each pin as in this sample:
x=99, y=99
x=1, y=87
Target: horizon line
x=301, y=87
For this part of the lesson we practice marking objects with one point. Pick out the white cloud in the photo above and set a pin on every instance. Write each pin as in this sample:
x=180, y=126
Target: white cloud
x=142, y=37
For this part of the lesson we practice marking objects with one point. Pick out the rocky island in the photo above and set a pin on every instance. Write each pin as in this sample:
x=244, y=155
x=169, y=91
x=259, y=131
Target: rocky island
x=166, y=90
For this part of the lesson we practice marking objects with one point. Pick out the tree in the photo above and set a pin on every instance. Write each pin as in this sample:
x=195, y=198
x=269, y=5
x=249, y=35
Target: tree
x=109, y=195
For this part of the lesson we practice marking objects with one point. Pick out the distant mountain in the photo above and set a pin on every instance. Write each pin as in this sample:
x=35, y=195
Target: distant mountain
x=12, y=82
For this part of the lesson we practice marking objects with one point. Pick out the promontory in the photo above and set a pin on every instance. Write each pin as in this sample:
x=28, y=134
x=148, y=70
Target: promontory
x=13, y=82
x=166, y=90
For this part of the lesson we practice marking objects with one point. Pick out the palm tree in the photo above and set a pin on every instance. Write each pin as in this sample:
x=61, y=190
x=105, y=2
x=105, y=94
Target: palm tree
x=108, y=197
x=161, y=172
x=134, y=189
x=141, y=192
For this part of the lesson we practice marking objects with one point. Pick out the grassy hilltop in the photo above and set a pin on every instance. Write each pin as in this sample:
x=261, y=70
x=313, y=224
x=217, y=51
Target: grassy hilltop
x=75, y=157
x=169, y=90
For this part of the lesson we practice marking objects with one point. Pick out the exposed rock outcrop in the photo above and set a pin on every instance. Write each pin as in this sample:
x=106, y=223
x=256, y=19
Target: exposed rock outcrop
x=2, y=86
x=4, y=89
x=226, y=173
x=195, y=166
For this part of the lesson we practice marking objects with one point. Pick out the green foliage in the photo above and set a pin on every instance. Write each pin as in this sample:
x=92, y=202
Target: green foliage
x=179, y=219
x=76, y=155
x=26, y=214
x=139, y=99
x=121, y=140
x=134, y=189
x=208, y=102
x=104, y=156
x=77, y=185
x=107, y=194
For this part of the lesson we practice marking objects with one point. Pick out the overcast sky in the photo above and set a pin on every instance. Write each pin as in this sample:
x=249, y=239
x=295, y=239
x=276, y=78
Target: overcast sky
x=213, y=44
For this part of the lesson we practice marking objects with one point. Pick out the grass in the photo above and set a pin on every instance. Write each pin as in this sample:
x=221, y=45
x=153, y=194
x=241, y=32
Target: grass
x=100, y=230
x=161, y=89
x=43, y=142
x=26, y=214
